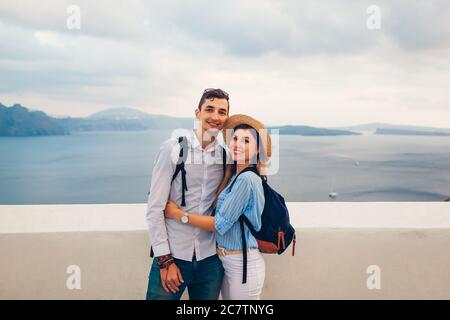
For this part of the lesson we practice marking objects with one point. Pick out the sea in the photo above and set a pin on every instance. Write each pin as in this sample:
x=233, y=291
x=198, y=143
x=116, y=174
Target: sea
x=116, y=167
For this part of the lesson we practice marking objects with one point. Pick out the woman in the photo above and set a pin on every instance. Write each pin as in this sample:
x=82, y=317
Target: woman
x=250, y=145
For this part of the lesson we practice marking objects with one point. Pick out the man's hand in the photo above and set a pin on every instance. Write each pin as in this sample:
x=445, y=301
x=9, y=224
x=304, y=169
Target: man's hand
x=172, y=211
x=171, y=278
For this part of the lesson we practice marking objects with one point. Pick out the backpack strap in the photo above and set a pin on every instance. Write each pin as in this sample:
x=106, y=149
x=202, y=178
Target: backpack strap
x=180, y=167
x=249, y=168
x=249, y=224
x=243, y=219
x=244, y=249
x=224, y=160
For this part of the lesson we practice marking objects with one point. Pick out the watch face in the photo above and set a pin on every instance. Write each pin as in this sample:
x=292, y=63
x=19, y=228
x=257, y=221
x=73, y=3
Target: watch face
x=184, y=219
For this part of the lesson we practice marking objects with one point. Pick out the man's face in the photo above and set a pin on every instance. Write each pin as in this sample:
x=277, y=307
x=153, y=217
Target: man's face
x=213, y=114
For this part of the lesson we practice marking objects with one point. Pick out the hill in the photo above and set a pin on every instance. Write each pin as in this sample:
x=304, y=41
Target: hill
x=18, y=121
x=312, y=131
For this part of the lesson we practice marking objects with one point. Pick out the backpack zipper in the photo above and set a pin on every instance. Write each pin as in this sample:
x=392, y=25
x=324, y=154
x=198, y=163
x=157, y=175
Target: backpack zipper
x=281, y=239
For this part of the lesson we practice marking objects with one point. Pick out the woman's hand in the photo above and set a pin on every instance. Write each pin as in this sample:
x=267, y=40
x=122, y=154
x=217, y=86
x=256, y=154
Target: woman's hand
x=172, y=211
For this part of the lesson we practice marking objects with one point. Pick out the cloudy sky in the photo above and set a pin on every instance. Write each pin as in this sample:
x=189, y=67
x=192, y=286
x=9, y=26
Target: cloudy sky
x=285, y=62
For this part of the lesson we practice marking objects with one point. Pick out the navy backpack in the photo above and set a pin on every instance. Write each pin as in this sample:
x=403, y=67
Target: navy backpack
x=276, y=232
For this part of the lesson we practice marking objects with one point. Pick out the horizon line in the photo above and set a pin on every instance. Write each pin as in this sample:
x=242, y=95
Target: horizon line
x=271, y=125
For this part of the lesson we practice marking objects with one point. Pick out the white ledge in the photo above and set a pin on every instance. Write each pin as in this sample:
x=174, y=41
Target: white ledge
x=128, y=217
x=338, y=242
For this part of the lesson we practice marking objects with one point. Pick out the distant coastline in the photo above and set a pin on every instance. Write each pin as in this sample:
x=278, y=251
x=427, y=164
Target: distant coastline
x=312, y=131
x=116, y=119
x=410, y=132
x=20, y=121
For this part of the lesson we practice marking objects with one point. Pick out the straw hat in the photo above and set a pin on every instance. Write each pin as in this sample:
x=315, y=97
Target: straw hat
x=263, y=132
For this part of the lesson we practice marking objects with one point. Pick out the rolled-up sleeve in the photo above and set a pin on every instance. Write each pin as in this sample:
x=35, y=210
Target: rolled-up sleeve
x=234, y=205
x=163, y=170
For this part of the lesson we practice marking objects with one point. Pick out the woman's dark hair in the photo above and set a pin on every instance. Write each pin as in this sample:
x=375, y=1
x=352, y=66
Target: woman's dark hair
x=212, y=94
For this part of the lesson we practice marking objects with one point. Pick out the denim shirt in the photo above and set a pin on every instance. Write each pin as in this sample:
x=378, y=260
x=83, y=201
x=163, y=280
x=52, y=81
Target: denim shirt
x=246, y=197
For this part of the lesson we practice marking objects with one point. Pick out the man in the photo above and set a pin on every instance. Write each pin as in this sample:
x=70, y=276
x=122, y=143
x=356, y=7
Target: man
x=185, y=256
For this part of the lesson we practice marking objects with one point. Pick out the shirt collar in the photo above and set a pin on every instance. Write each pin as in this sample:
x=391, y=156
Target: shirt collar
x=195, y=143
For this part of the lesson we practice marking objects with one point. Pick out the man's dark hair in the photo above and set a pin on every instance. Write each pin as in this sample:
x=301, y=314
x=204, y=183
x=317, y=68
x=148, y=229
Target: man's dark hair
x=212, y=94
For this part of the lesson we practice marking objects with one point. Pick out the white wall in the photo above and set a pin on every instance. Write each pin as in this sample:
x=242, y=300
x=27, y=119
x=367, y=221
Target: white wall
x=337, y=242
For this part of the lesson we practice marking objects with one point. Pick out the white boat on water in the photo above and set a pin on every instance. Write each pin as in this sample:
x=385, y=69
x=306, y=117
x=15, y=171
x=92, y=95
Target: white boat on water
x=332, y=194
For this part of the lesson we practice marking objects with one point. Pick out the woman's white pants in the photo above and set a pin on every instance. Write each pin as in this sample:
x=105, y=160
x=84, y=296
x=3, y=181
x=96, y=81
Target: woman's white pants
x=232, y=286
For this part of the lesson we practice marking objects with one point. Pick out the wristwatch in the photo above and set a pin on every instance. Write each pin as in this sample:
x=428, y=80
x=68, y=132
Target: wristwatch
x=185, y=218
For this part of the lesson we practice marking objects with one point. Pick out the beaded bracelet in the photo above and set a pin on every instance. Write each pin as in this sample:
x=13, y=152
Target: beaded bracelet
x=166, y=264
x=165, y=261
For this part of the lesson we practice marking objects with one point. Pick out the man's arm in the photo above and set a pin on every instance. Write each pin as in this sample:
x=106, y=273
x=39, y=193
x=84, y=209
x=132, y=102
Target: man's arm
x=159, y=195
x=162, y=173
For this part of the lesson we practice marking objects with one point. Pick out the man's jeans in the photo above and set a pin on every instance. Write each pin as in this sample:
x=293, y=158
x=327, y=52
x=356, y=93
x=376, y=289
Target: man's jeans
x=202, y=278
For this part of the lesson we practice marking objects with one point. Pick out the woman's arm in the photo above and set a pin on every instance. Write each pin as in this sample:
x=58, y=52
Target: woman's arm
x=204, y=222
x=172, y=211
x=232, y=208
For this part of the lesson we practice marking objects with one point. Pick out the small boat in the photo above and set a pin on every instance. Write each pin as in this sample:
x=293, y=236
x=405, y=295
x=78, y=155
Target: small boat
x=332, y=195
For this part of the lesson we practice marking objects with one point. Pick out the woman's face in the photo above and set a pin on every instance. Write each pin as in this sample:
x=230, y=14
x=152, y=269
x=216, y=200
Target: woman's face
x=244, y=146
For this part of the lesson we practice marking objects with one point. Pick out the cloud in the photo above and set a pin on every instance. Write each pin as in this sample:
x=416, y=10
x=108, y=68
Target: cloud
x=313, y=62
x=416, y=25
x=247, y=27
